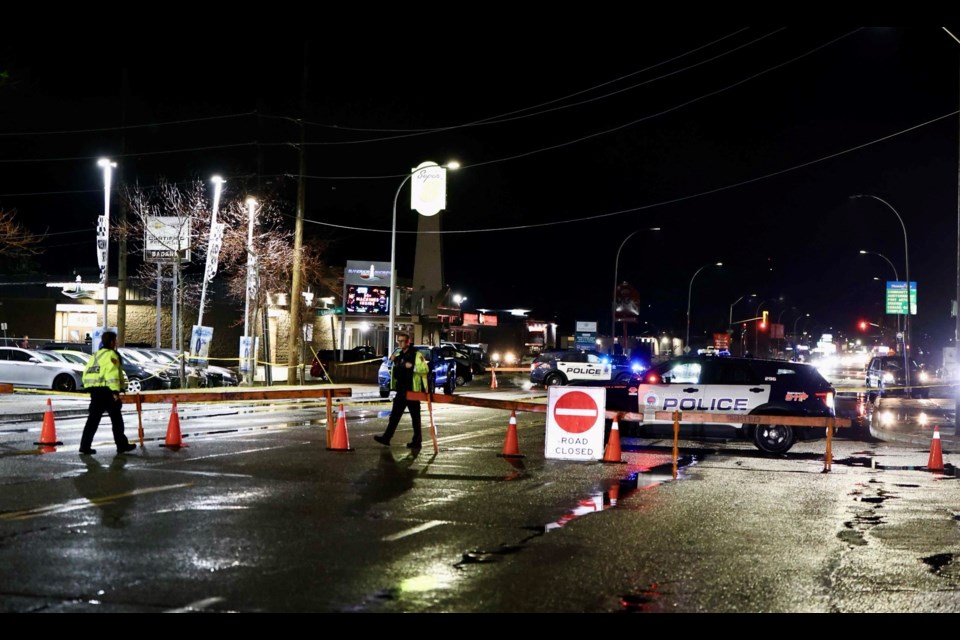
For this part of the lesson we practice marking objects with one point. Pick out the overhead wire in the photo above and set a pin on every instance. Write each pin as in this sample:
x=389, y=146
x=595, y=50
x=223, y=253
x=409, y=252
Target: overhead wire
x=662, y=202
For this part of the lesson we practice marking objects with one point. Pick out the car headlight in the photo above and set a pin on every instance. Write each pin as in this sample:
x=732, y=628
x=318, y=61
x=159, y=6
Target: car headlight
x=923, y=376
x=888, y=377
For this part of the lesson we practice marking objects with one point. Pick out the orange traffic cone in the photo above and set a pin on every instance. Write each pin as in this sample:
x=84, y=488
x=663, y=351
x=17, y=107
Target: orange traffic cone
x=173, y=440
x=511, y=448
x=935, y=463
x=341, y=441
x=612, y=452
x=613, y=493
x=48, y=433
x=493, y=379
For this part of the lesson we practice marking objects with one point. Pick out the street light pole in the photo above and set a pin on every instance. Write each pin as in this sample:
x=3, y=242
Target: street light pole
x=213, y=246
x=251, y=217
x=795, y=341
x=690, y=297
x=896, y=277
x=393, y=247
x=616, y=268
x=108, y=168
x=906, y=260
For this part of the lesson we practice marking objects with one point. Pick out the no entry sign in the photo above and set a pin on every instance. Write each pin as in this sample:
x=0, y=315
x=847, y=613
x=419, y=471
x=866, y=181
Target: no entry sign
x=575, y=420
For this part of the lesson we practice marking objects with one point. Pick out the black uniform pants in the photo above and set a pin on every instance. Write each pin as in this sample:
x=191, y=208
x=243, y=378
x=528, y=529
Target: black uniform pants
x=102, y=400
x=400, y=403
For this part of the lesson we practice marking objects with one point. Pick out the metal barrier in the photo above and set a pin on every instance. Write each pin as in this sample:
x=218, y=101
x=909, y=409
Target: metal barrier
x=830, y=423
x=239, y=395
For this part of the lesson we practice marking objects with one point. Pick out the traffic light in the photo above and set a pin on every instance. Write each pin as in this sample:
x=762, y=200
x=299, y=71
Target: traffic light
x=763, y=321
x=863, y=325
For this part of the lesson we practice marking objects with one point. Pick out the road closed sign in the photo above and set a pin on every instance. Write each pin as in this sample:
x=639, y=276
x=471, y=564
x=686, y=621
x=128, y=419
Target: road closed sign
x=575, y=419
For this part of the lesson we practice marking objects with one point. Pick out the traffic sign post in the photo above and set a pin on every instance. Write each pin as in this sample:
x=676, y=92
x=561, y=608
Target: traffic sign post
x=575, y=423
x=897, y=298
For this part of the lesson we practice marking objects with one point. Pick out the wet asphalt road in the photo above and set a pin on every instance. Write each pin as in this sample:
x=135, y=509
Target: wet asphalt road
x=257, y=515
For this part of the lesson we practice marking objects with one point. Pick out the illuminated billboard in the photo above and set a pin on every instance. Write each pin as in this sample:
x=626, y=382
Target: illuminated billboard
x=367, y=300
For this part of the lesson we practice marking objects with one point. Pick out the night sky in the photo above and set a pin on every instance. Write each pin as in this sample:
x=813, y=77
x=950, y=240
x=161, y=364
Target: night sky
x=742, y=144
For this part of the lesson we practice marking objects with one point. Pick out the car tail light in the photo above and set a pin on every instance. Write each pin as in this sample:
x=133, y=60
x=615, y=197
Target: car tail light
x=652, y=378
x=826, y=397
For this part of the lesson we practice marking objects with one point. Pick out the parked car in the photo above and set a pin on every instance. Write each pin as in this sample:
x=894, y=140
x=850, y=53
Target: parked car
x=725, y=385
x=27, y=368
x=153, y=365
x=138, y=378
x=85, y=347
x=464, y=368
x=212, y=375
x=885, y=374
x=573, y=365
x=442, y=371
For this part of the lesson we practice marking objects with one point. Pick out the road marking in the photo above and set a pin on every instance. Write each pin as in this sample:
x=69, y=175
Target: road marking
x=198, y=605
x=86, y=503
x=414, y=530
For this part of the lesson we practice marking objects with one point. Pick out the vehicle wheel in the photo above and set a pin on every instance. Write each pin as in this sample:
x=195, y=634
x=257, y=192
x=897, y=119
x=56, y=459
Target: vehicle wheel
x=449, y=386
x=134, y=385
x=461, y=380
x=64, y=382
x=384, y=393
x=553, y=379
x=773, y=438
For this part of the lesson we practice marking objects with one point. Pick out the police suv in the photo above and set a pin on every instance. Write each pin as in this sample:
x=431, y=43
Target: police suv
x=731, y=386
x=572, y=365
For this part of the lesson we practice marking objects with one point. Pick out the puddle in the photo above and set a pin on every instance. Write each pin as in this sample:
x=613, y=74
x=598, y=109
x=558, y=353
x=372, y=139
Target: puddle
x=938, y=561
x=643, y=601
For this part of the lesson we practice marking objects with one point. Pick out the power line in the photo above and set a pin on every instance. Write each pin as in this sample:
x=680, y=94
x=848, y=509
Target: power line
x=147, y=125
x=662, y=202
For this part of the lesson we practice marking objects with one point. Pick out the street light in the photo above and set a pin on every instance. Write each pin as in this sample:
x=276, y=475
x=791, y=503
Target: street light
x=906, y=260
x=103, y=231
x=795, y=341
x=690, y=296
x=393, y=244
x=213, y=245
x=730, y=323
x=896, y=277
x=616, y=268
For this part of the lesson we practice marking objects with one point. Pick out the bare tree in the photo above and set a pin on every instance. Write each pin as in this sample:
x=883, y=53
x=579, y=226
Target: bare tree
x=172, y=216
x=15, y=239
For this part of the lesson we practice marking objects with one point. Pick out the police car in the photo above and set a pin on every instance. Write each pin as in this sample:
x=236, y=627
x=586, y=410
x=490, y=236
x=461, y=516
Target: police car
x=572, y=365
x=727, y=385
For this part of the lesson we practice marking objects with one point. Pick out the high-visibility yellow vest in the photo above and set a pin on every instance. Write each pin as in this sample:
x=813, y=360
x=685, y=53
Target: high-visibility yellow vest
x=420, y=370
x=104, y=370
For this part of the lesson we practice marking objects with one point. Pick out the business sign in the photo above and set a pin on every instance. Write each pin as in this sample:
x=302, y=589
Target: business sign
x=200, y=339
x=367, y=300
x=897, y=298
x=586, y=336
x=428, y=189
x=367, y=272
x=164, y=236
x=248, y=352
x=575, y=420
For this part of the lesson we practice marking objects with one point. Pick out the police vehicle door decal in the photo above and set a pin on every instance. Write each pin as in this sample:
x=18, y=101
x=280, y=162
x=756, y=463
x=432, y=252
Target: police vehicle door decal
x=585, y=370
x=735, y=398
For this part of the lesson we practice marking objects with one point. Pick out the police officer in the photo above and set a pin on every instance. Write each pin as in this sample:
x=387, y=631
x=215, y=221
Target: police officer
x=103, y=378
x=408, y=373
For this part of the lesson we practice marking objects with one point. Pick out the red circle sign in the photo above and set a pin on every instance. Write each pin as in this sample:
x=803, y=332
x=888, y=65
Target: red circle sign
x=575, y=412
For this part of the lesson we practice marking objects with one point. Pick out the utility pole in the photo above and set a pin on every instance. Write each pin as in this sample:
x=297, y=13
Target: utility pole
x=293, y=333
x=123, y=218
